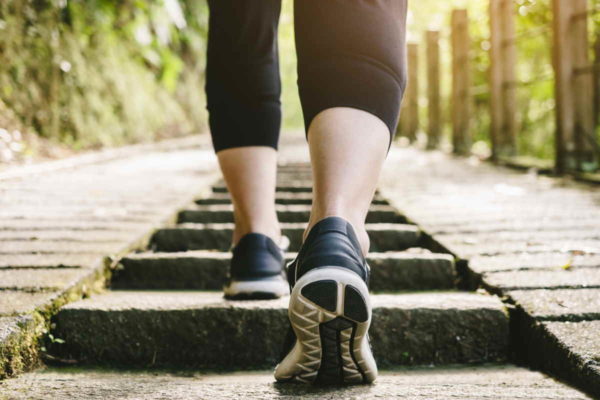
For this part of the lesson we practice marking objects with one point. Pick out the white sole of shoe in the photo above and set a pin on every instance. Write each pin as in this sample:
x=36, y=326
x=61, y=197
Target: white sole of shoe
x=330, y=312
x=273, y=288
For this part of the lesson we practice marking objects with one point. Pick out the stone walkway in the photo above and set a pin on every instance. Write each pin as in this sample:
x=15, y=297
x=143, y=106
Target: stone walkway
x=65, y=223
x=532, y=239
x=150, y=219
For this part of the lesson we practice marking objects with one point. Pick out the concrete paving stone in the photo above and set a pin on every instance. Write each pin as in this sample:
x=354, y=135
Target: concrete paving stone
x=14, y=302
x=280, y=198
x=94, y=236
x=286, y=213
x=527, y=261
x=8, y=247
x=528, y=237
x=70, y=210
x=559, y=304
x=467, y=198
x=581, y=338
x=201, y=329
x=467, y=251
x=499, y=382
x=14, y=225
x=555, y=227
x=458, y=219
x=58, y=260
x=79, y=215
x=40, y=279
x=560, y=278
x=384, y=237
x=67, y=219
x=207, y=270
x=299, y=187
x=568, y=350
x=77, y=200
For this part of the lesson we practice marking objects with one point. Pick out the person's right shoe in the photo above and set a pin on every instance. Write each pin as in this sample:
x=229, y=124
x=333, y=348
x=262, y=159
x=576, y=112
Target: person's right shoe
x=329, y=311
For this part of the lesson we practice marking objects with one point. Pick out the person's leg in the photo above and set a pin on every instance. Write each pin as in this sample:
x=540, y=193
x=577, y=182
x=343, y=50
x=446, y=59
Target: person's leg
x=351, y=77
x=347, y=149
x=243, y=90
x=250, y=174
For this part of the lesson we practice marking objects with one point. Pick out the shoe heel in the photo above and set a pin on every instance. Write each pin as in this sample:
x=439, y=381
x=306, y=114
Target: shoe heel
x=330, y=316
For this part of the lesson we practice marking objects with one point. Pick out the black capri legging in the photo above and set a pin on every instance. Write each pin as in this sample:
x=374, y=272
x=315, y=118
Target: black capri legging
x=351, y=53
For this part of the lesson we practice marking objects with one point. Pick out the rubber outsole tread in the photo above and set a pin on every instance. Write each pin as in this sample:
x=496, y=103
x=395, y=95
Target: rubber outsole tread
x=355, y=307
x=331, y=370
x=330, y=319
x=322, y=293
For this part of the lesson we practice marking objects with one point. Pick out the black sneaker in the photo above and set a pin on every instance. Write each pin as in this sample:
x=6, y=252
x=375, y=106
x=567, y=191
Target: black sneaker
x=257, y=270
x=330, y=310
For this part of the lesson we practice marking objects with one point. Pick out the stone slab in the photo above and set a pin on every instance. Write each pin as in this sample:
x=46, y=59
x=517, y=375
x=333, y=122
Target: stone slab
x=78, y=215
x=468, y=250
x=581, y=338
x=14, y=302
x=96, y=236
x=567, y=350
x=286, y=213
x=139, y=328
x=559, y=304
x=516, y=225
x=280, y=198
x=36, y=225
x=526, y=236
x=299, y=187
x=540, y=279
x=526, y=261
x=57, y=260
x=8, y=247
x=206, y=270
x=40, y=279
x=499, y=382
x=384, y=237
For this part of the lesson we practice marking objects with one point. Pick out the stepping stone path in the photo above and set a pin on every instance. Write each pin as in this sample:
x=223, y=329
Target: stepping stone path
x=165, y=312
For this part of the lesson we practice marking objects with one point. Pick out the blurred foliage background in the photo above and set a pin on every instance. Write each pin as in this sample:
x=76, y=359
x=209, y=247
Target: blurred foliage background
x=536, y=121
x=535, y=94
x=92, y=73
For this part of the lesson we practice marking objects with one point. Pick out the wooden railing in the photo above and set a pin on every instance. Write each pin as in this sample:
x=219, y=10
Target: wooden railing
x=575, y=79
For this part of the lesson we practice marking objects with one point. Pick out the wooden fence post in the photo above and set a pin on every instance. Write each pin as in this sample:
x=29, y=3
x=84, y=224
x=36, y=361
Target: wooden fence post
x=503, y=78
x=434, y=107
x=597, y=80
x=575, y=138
x=412, y=93
x=461, y=82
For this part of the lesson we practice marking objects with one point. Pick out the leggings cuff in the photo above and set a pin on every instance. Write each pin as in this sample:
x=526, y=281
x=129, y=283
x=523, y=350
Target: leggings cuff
x=250, y=126
x=361, y=85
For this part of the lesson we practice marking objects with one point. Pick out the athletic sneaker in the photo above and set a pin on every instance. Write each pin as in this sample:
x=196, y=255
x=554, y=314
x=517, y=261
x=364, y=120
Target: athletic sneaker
x=330, y=310
x=257, y=269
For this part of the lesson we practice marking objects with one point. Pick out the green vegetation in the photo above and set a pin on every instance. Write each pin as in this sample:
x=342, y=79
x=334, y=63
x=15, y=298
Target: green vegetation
x=92, y=73
x=535, y=93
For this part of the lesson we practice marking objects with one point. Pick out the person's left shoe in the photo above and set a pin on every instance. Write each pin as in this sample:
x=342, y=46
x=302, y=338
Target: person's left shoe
x=257, y=270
